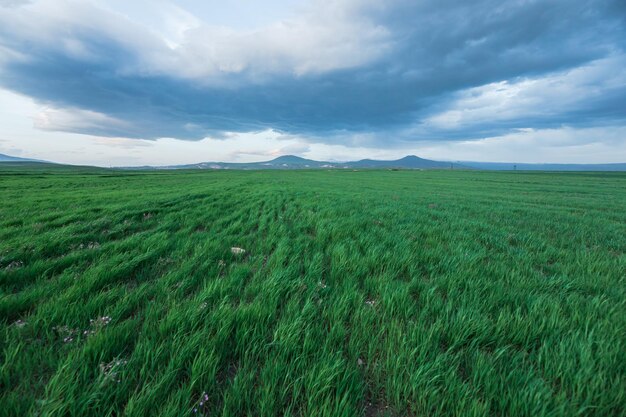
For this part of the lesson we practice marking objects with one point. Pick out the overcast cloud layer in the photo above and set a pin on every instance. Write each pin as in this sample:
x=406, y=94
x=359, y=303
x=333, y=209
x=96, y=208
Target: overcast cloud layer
x=347, y=72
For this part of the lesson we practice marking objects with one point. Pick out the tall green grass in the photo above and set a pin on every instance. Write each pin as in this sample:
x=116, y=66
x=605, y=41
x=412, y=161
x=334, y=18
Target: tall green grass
x=370, y=293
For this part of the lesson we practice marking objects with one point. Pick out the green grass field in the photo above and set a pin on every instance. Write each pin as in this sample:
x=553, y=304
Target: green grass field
x=371, y=293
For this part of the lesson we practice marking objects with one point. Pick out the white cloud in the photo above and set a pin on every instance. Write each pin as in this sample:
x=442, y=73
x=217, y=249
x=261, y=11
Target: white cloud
x=75, y=120
x=161, y=17
x=170, y=41
x=324, y=37
x=544, y=97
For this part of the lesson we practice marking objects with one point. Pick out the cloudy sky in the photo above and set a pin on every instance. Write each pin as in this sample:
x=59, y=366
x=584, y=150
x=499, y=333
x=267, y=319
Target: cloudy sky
x=118, y=82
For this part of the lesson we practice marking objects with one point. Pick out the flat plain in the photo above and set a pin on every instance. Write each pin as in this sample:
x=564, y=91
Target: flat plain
x=360, y=293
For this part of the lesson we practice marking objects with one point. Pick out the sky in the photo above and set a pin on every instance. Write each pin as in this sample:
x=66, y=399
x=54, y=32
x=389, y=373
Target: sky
x=163, y=82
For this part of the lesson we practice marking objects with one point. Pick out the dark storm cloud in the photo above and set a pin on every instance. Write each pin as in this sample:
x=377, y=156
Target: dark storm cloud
x=431, y=56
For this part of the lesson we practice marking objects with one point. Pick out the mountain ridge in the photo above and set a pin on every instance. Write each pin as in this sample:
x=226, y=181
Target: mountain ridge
x=296, y=162
x=9, y=158
x=406, y=162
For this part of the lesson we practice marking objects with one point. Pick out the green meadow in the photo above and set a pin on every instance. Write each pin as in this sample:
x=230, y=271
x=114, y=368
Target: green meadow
x=311, y=293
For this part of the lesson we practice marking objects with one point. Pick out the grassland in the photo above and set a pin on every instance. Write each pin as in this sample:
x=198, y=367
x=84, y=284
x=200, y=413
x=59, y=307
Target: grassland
x=428, y=293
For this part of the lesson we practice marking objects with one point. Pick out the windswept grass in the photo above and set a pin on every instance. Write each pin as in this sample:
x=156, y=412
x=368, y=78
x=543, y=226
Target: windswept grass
x=373, y=293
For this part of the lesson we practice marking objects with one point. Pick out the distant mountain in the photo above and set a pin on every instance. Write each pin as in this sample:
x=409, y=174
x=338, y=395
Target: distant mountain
x=408, y=162
x=282, y=162
x=292, y=160
x=295, y=162
x=505, y=166
x=8, y=158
